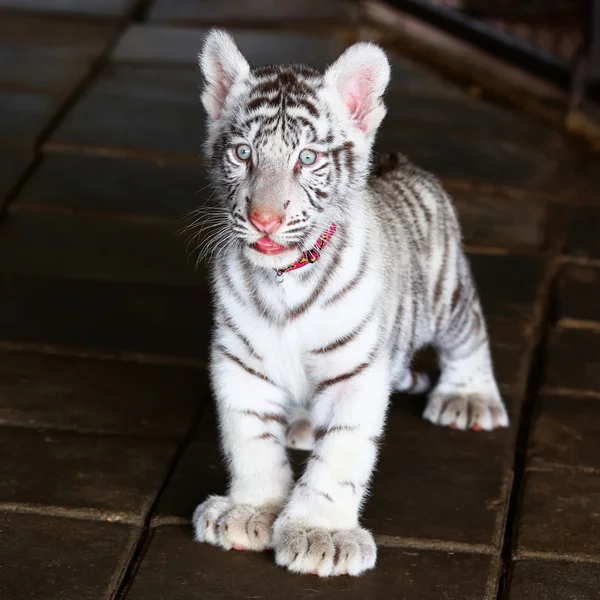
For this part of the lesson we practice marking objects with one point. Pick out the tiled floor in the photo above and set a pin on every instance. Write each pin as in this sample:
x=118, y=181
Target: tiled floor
x=106, y=429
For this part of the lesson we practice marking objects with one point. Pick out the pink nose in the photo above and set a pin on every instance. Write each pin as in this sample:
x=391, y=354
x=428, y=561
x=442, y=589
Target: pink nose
x=266, y=222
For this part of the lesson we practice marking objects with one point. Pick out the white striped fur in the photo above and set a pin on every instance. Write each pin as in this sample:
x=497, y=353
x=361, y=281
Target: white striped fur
x=316, y=357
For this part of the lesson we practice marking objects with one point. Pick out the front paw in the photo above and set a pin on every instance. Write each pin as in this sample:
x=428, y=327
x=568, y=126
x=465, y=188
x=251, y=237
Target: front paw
x=220, y=522
x=302, y=549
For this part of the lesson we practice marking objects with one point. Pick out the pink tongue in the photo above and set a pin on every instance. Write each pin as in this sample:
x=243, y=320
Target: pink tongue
x=267, y=245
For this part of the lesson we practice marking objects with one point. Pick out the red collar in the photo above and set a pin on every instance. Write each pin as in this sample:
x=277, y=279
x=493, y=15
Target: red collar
x=310, y=256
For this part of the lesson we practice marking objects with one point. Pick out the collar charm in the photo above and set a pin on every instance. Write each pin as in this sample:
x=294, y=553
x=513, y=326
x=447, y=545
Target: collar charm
x=308, y=257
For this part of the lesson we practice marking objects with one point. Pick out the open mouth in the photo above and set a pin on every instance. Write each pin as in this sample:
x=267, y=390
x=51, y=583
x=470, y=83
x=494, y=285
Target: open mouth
x=267, y=246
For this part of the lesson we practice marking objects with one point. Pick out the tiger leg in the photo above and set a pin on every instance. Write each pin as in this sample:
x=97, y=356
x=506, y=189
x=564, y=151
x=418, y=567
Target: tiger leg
x=412, y=382
x=466, y=396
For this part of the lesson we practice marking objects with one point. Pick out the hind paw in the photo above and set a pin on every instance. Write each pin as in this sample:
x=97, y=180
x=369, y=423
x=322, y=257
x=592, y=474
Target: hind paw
x=466, y=411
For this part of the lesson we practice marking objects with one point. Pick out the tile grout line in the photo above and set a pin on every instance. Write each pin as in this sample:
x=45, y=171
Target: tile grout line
x=557, y=557
x=73, y=513
x=545, y=318
x=564, y=324
x=400, y=542
x=574, y=393
x=541, y=466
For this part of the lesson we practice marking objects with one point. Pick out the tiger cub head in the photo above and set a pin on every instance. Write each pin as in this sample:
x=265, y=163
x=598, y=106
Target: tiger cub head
x=288, y=147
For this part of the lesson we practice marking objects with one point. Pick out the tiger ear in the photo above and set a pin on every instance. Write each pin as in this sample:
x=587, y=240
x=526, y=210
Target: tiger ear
x=222, y=64
x=360, y=76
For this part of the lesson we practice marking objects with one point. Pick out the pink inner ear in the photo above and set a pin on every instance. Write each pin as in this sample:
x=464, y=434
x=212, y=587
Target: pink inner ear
x=357, y=95
x=221, y=91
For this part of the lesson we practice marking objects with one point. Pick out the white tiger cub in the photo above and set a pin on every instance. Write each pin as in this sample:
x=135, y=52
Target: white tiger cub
x=328, y=278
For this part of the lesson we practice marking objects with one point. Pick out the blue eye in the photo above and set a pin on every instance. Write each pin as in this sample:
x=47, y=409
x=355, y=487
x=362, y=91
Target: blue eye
x=308, y=157
x=243, y=152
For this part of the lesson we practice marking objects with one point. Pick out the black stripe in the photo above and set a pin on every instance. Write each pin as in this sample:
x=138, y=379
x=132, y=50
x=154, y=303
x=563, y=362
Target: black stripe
x=243, y=365
x=442, y=273
x=321, y=284
x=397, y=328
x=347, y=338
x=267, y=436
x=260, y=306
x=321, y=432
x=323, y=385
x=229, y=323
x=224, y=276
x=362, y=269
x=349, y=484
x=265, y=417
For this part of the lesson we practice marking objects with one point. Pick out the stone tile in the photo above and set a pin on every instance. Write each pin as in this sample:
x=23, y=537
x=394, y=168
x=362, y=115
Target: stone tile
x=14, y=160
x=545, y=580
x=511, y=365
x=115, y=185
x=565, y=431
x=99, y=396
x=563, y=370
x=588, y=179
x=116, y=317
x=508, y=288
x=199, y=473
x=24, y=115
x=495, y=221
x=508, y=284
x=455, y=156
x=136, y=107
x=40, y=53
x=108, y=477
x=582, y=232
x=437, y=483
x=559, y=514
x=230, y=11
x=175, y=566
x=579, y=293
x=180, y=45
x=97, y=8
x=45, y=558
x=509, y=333
x=82, y=247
